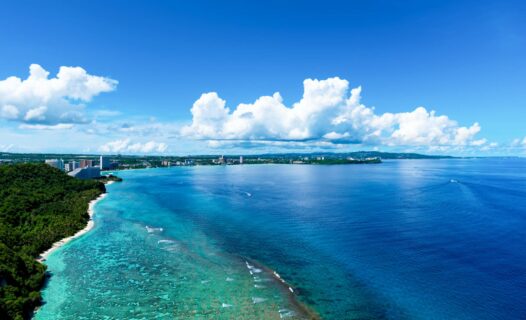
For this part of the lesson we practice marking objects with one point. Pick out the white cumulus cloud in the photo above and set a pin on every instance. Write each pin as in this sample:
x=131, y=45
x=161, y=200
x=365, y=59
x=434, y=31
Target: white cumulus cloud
x=519, y=143
x=127, y=146
x=39, y=99
x=58, y=126
x=328, y=112
x=9, y=111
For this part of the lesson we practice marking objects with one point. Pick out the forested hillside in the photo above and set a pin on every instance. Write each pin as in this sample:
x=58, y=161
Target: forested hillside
x=39, y=205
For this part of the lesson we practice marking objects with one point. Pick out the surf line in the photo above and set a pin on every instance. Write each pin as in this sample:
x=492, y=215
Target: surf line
x=254, y=266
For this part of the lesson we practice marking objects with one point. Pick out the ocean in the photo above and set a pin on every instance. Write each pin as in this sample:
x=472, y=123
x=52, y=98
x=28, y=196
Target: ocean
x=405, y=239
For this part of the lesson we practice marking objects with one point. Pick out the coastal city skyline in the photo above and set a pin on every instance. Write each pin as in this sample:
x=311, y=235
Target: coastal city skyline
x=386, y=77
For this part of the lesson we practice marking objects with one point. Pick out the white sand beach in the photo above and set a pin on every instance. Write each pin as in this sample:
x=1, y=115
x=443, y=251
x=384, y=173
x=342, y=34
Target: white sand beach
x=43, y=256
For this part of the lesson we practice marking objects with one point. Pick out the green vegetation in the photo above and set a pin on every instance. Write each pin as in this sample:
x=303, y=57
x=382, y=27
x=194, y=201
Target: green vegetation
x=323, y=160
x=108, y=178
x=39, y=205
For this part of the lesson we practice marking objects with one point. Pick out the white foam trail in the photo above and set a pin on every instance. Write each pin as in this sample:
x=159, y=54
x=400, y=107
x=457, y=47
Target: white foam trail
x=248, y=194
x=252, y=269
x=225, y=305
x=258, y=286
x=258, y=279
x=165, y=241
x=205, y=281
x=257, y=300
x=171, y=248
x=229, y=279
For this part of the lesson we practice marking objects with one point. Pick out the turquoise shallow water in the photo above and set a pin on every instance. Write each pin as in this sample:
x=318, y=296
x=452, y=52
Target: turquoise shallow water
x=143, y=262
x=441, y=239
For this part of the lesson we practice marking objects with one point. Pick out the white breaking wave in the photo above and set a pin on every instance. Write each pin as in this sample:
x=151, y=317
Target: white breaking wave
x=252, y=269
x=257, y=300
x=286, y=313
x=258, y=279
x=171, y=248
x=168, y=245
x=165, y=241
x=280, y=279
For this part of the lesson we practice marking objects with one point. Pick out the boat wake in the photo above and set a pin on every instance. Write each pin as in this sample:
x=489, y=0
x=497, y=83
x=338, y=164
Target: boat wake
x=153, y=229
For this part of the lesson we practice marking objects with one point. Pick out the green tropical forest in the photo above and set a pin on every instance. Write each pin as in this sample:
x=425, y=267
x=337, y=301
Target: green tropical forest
x=39, y=205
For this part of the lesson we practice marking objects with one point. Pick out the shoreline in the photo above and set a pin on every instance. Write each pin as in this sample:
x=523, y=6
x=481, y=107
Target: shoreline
x=91, y=223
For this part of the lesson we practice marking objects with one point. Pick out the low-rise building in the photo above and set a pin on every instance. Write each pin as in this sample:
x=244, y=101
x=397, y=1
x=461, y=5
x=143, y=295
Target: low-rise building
x=85, y=173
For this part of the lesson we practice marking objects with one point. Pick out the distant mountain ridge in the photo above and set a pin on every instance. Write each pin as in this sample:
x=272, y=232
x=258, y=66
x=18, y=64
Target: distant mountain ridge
x=357, y=154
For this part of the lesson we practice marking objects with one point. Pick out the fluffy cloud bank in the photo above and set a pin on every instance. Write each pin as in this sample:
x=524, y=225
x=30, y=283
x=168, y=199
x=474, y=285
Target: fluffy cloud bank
x=127, y=146
x=49, y=101
x=519, y=143
x=328, y=112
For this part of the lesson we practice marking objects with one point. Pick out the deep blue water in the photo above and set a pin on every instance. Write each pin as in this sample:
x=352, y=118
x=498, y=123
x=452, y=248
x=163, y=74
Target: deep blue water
x=408, y=239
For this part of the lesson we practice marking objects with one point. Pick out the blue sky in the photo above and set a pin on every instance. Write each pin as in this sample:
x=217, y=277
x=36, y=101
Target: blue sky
x=463, y=59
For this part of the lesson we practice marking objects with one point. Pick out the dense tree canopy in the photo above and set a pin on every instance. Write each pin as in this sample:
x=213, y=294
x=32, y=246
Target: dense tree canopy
x=39, y=205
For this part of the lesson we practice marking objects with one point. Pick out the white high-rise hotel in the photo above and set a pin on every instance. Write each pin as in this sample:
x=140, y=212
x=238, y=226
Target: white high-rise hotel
x=56, y=163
